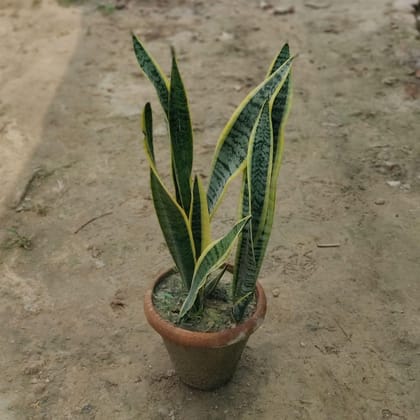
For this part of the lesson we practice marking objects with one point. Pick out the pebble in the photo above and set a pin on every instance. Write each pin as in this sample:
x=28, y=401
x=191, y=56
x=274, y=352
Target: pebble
x=99, y=264
x=393, y=183
x=379, y=201
x=283, y=10
x=275, y=292
x=265, y=6
x=389, y=81
x=225, y=37
x=86, y=409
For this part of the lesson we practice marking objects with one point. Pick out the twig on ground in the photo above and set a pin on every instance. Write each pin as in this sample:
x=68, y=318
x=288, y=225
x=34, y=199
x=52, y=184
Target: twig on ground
x=319, y=348
x=317, y=6
x=333, y=245
x=348, y=336
x=91, y=220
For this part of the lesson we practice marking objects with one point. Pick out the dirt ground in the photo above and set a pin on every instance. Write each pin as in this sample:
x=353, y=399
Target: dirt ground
x=342, y=334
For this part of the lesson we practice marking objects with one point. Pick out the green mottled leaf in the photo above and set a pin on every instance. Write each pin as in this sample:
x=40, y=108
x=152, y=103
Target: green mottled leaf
x=147, y=127
x=244, y=241
x=232, y=146
x=175, y=229
x=213, y=281
x=211, y=258
x=153, y=72
x=251, y=251
x=280, y=101
x=199, y=220
x=181, y=137
x=172, y=218
x=255, y=199
x=280, y=111
x=259, y=168
x=281, y=58
x=245, y=266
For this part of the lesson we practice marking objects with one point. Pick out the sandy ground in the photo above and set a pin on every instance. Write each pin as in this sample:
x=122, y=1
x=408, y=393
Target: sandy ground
x=342, y=335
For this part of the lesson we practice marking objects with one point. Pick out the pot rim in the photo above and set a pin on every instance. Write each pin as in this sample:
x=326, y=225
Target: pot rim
x=188, y=338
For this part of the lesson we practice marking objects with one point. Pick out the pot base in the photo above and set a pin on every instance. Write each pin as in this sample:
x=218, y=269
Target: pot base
x=205, y=368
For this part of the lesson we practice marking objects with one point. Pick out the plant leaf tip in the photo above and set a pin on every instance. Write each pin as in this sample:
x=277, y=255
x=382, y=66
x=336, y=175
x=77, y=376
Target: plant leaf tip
x=173, y=53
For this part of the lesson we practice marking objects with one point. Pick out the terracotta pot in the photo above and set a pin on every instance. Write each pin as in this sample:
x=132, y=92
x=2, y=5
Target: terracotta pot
x=204, y=360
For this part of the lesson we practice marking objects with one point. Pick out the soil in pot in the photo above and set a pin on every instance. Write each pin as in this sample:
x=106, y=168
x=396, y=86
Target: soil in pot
x=169, y=295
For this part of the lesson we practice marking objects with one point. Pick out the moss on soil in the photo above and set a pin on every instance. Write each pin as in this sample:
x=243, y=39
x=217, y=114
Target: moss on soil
x=216, y=314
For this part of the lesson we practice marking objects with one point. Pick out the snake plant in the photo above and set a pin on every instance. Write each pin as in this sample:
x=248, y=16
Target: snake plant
x=250, y=146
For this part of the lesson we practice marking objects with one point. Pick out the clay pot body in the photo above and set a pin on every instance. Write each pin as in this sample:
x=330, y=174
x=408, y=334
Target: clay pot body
x=204, y=360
